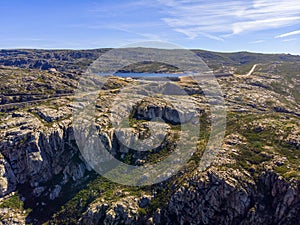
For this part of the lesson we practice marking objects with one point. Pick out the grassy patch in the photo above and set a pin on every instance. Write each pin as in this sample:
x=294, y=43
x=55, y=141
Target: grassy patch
x=2, y=116
x=244, y=69
x=286, y=172
x=253, y=153
x=74, y=208
x=14, y=202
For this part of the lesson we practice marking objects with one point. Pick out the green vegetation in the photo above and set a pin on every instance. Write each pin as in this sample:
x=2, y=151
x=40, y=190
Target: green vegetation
x=142, y=212
x=263, y=143
x=279, y=88
x=97, y=188
x=149, y=66
x=161, y=199
x=244, y=69
x=13, y=202
x=2, y=116
x=287, y=172
x=73, y=209
x=101, y=188
x=289, y=72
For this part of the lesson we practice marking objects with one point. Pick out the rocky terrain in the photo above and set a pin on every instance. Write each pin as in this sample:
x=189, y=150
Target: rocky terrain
x=253, y=179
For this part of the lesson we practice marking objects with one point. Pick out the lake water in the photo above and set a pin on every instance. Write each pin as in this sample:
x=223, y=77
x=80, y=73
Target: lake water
x=145, y=75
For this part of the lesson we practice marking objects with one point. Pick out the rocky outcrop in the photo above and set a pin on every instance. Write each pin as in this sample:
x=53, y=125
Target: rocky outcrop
x=126, y=211
x=225, y=199
x=36, y=154
x=62, y=60
x=12, y=217
x=150, y=109
x=8, y=180
x=211, y=197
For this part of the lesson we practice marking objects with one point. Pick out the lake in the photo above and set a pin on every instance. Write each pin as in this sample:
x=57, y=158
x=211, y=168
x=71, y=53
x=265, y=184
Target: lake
x=145, y=75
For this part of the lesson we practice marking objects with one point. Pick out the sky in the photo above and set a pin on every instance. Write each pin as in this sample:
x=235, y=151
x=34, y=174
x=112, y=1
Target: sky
x=268, y=26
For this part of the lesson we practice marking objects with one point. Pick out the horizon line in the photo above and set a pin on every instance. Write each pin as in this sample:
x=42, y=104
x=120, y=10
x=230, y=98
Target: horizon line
x=108, y=48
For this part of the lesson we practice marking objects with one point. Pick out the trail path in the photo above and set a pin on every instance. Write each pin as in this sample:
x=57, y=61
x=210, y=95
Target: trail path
x=252, y=70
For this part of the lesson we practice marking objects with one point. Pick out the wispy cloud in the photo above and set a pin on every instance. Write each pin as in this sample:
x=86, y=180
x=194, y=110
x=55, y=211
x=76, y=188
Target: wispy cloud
x=216, y=20
x=290, y=39
x=102, y=8
x=296, y=32
x=130, y=28
x=257, y=42
x=195, y=32
x=131, y=17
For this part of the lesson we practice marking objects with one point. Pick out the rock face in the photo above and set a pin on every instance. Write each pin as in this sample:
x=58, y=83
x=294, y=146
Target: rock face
x=123, y=212
x=212, y=199
x=62, y=60
x=149, y=110
x=8, y=180
x=36, y=154
x=11, y=217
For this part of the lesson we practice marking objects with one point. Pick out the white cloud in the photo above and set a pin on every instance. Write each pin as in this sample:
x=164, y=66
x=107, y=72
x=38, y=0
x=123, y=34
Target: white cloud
x=296, y=32
x=290, y=39
x=194, y=33
x=257, y=42
x=263, y=24
x=220, y=19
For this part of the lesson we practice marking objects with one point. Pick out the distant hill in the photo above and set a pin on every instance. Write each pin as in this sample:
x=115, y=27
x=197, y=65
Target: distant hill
x=79, y=60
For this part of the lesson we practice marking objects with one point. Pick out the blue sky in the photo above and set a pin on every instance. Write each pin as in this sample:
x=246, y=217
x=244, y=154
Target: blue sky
x=250, y=25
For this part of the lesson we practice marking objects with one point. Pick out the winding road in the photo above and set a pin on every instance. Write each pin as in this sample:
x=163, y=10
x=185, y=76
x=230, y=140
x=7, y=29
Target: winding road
x=6, y=106
x=249, y=73
x=252, y=70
